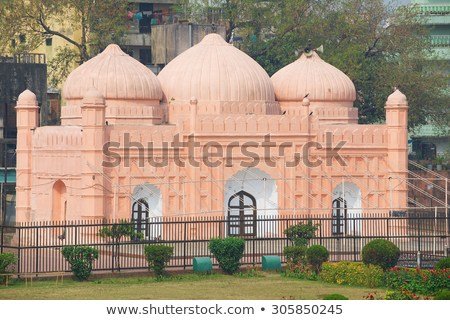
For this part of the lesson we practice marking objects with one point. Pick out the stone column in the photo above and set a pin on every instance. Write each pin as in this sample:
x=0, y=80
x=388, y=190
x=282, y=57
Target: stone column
x=27, y=120
x=397, y=145
x=93, y=177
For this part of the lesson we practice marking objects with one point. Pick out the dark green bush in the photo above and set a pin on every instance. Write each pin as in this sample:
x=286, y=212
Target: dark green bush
x=80, y=259
x=7, y=261
x=443, y=264
x=295, y=254
x=228, y=252
x=401, y=295
x=352, y=273
x=381, y=253
x=158, y=256
x=301, y=233
x=335, y=296
x=316, y=255
x=443, y=295
x=418, y=281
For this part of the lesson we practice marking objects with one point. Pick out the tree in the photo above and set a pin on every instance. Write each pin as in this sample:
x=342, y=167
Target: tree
x=118, y=232
x=86, y=26
x=379, y=46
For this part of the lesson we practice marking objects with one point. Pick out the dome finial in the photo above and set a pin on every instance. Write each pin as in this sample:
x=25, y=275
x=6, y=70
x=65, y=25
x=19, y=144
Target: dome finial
x=309, y=48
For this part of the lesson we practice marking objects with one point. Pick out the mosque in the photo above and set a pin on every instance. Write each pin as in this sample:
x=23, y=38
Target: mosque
x=211, y=135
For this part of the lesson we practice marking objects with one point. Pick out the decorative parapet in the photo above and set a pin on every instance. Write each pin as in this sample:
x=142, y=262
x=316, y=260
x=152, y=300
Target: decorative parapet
x=70, y=114
x=177, y=108
x=336, y=114
x=252, y=124
x=58, y=137
x=355, y=135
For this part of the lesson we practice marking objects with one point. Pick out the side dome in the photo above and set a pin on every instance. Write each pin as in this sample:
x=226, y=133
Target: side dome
x=215, y=71
x=311, y=75
x=116, y=75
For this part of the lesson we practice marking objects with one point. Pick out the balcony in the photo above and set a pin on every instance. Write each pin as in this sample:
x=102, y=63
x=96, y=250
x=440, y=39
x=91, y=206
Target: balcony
x=440, y=40
x=435, y=14
x=29, y=58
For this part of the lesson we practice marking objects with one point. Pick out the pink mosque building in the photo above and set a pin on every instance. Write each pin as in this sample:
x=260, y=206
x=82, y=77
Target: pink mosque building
x=98, y=163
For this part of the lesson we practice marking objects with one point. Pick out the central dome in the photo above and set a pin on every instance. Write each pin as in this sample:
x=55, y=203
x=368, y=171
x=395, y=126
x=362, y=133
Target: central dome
x=215, y=71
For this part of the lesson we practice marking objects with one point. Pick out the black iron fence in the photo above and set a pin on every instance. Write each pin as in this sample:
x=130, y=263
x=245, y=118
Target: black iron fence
x=38, y=245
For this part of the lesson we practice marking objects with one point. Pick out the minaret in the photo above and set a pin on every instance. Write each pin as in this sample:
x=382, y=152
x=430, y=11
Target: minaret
x=397, y=124
x=92, y=177
x=27, y=120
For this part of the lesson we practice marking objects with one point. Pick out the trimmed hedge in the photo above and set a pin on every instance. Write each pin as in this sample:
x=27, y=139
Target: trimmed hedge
x=443, y=295
x=158, y=256
x=80, y=259
x=228, y=252
x=295, y=254
x=316, y=255
x=382, y=253
x=335, y=296
x=7, y=261
x=353, y=274
x=443, y=264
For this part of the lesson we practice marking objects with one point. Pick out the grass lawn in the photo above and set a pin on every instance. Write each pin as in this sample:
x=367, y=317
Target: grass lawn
x=214, y=287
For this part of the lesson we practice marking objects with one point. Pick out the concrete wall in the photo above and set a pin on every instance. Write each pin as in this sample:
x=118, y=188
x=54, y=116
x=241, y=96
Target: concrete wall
x=168, y=41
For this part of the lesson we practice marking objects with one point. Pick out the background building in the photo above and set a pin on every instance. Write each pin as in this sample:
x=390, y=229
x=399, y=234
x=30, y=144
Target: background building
x=16, y=74
x=428, y=141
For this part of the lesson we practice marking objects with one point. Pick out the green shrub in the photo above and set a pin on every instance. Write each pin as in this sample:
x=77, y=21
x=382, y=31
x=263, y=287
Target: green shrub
x=300, y=271
x=316, y=255
x=401, y=295
x=417, y=280
x=335, y=296
x=443, y=264
x=443, y=295
x=381, y=253
x=301, y=233
x=158, y=256
x=352, y=273
x=7, y=261
x=80, y=259
x=228, y=252
x=295, y=254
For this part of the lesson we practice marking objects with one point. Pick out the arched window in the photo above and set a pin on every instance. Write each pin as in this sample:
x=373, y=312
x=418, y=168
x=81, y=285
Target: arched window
x=242, y=214
x=339, y=220
x=59, y=204
x=140, y=216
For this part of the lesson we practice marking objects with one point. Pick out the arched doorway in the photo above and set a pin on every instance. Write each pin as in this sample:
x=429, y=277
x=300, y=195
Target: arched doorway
x=146, y=211
x=263, y=189
x=59, y=201
x=140, y=216
x=347, y=208
x=242, y=214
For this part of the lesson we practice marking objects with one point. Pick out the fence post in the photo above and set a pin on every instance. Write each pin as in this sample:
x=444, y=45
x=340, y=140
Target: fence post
x=1, y=238
x=434, y=230
x=354, y=239
x=76, y=234
x=113, y=254
x=36, y=248
x=419, y=259
x=184, y=245
x=387, y=229
x=419, y=234
x=254, y=251
x=19, y=246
